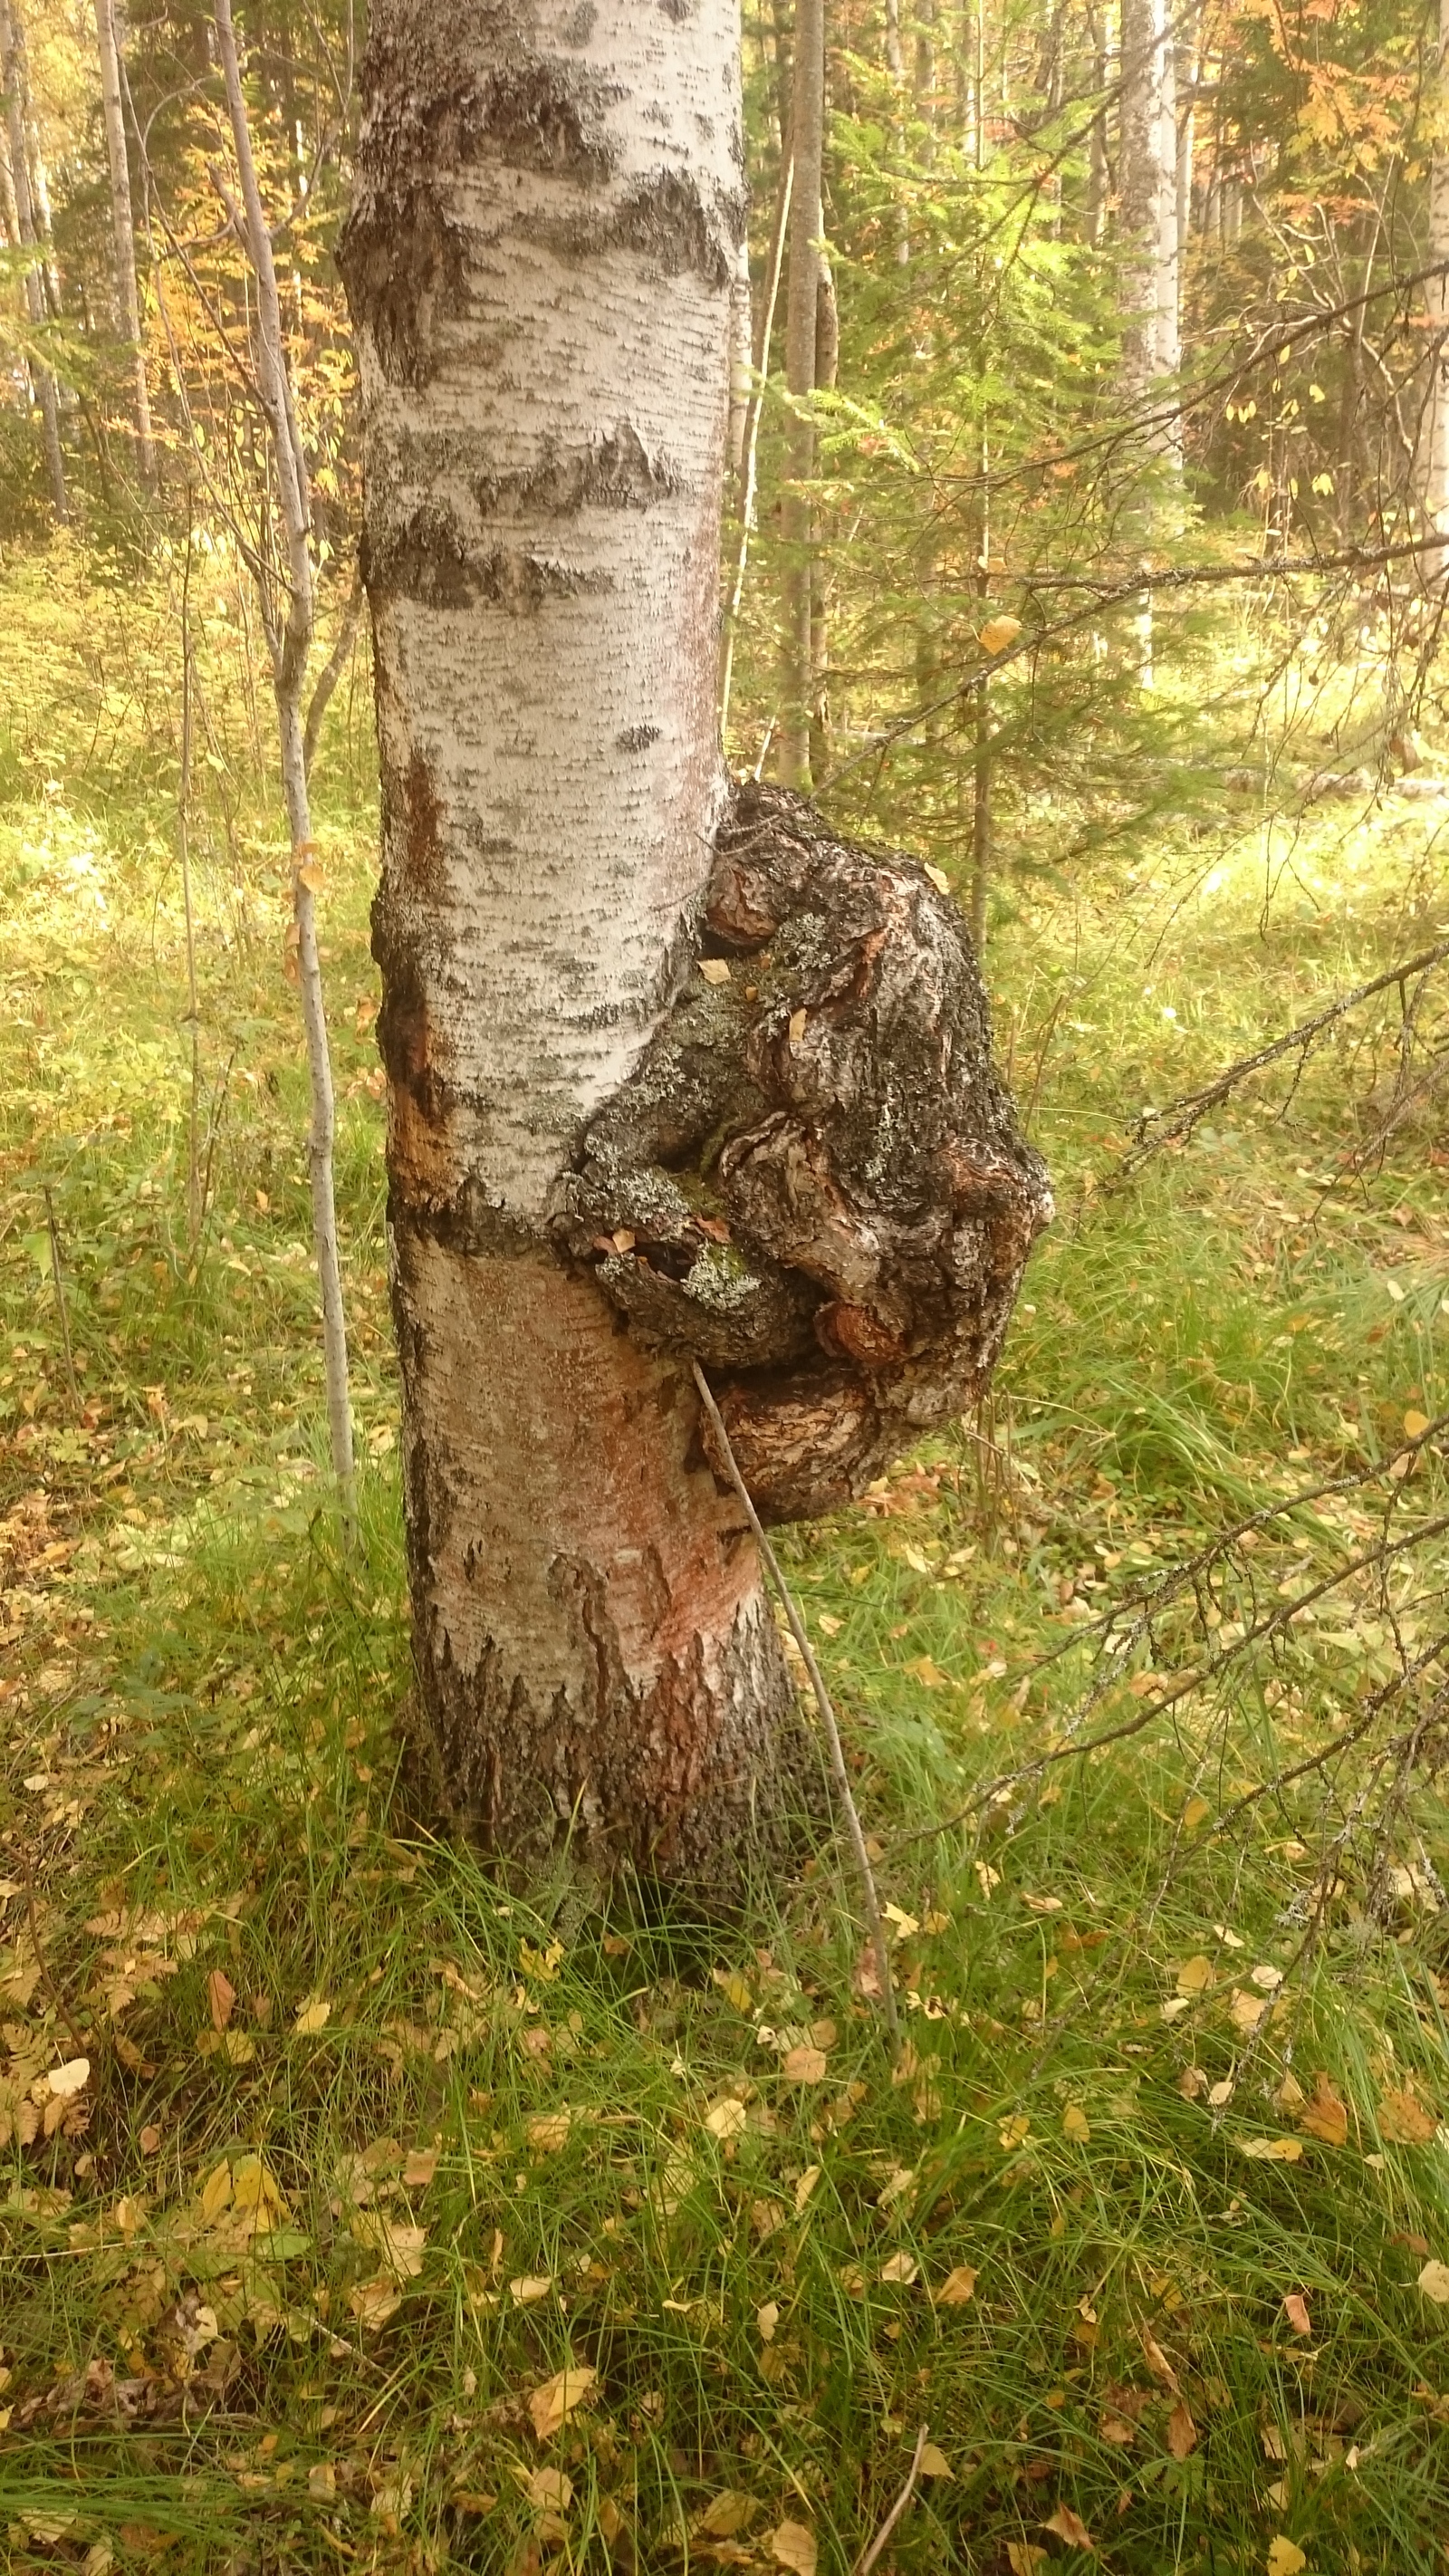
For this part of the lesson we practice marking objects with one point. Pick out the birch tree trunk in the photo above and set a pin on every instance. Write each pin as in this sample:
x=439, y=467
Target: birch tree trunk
x=1436, y=424
x=15, y=82
x=1147, y=203
x=123, y=235
x=1147, y=196
x=802, y=312
x=539, y=262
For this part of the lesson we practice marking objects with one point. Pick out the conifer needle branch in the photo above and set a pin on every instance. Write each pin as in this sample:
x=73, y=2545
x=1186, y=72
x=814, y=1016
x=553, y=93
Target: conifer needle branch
x=868, y=2557
x=838, y=1771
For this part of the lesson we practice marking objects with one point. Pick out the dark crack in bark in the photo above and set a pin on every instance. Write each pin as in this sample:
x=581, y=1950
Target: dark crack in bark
x=813, y=1179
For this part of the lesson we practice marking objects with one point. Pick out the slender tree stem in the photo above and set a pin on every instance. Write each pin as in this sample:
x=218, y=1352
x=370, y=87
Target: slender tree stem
x=749, y=478
x=290, y=643
x=183, y=835
x=839, y=1772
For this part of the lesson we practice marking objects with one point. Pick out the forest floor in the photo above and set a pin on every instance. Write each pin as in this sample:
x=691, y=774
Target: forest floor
x=359, y=2213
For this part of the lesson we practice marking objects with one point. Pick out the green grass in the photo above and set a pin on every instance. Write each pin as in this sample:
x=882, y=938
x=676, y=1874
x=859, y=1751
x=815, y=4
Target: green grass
x=283, y=2241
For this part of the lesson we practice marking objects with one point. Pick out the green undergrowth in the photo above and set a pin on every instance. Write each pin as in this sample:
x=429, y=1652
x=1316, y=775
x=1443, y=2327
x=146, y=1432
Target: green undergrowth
x=405, y=2220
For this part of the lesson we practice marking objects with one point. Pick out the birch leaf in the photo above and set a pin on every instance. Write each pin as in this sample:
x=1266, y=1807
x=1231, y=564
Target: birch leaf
x=556, y=2398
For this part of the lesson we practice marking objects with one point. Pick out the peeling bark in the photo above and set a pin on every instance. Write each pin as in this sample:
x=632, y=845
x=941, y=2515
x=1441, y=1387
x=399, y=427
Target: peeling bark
x=812, y=1179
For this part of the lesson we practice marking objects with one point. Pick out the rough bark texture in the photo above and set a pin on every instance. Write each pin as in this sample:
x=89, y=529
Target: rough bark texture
x=1435, y=434
x=802, y=303
x=813, y=1179
x=540, y=262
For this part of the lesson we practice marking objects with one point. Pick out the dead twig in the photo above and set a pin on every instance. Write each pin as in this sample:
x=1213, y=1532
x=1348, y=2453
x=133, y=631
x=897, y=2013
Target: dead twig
x=59, y=1278
x=839, y=1773
x=1173, y=1125
x=868, y=2557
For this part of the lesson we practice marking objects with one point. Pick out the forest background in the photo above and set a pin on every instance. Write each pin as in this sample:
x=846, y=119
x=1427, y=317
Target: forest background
x=1085, y=536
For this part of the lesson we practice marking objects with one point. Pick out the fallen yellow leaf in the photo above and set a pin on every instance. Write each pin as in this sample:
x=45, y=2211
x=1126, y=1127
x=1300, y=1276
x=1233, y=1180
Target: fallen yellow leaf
x=805, y=2186
x=804, y=2065
x=1181, y=2431
x=1024, y=2558
x=1195, y=1975
x=1434, y=2282
x=1285, y=2558
x=312, y=2017
x=529, y=2288
x=997, y=633
x=725, y=2119
x=1075, y=2123
x=70, y=2079
x=792, y=2544
x=555, y=2399
x=549, y=2131
x=373, y=2302
x=550, y=2489
x=1403, y=2120
x=1070, y=2527
x=1324, y=2115
x=766, y=2320
x=420, y=2167
x=901, y=2269
x=730, y=2512
x=1274, y=2151
x=934, y=2463
x=958, y=2287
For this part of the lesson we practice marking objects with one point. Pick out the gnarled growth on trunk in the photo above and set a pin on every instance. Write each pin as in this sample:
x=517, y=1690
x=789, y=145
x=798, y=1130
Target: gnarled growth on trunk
x=812, y=1179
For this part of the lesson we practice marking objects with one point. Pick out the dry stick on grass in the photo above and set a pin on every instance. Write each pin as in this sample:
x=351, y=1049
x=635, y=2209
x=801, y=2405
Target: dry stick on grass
x=59, y=1277
x=867, y=2559
x=838, y=1770
x=1151, y=1606
x=1173, y=1125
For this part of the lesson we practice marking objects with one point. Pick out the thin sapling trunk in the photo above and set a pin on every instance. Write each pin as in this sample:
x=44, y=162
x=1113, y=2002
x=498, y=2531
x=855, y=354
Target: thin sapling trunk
x=289, y=639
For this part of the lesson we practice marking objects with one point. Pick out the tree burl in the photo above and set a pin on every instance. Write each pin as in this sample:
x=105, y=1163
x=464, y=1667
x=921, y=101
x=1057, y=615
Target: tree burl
x=813, y=1179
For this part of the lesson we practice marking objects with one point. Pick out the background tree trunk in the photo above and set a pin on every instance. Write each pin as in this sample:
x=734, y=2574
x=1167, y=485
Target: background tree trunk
x=802, y=308
x=595, y=1658
x=1436, y=425
x=128, y=300
x=289, y=643
x=16, y=87
x=1148, y=195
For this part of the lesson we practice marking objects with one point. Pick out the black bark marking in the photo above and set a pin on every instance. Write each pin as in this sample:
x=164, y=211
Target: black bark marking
x=427, y=558
x=637, y=737
x=615, y=472
x=665, y=220
x=404, y=267
x=401, y=255
x=829, y=1199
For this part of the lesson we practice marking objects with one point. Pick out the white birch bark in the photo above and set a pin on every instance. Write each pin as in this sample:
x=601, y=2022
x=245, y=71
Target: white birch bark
x=539, y=262
x=1436, y=296
x=1147, y=196
x=15, y=81
x=123, y=234
x=802, y=312
x=289, y=641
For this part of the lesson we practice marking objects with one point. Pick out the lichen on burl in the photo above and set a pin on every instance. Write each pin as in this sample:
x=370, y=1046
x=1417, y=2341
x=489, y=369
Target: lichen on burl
x=813, y=1180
